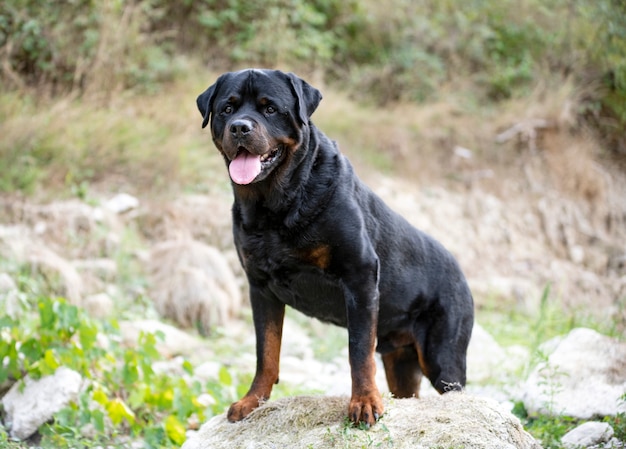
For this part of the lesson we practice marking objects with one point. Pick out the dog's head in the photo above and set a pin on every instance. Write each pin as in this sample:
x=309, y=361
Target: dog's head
x=257, y=118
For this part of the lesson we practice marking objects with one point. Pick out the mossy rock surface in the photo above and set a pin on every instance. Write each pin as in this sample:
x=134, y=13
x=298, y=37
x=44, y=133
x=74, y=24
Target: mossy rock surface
x=454, y=420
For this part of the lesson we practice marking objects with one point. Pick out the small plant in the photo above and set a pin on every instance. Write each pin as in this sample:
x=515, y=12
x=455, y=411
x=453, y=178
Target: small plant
x=125, y=399
x=351, y=436
x=618, y=422
x=547, y=429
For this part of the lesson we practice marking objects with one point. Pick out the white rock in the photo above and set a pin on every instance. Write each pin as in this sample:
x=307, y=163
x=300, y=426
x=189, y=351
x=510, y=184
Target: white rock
x=451, y=420
x=584, y=377
x=99, y=305
x=587, y=434
x=484, y=356
x=175, y=342
x=9, y=296
x=192, y=284
x=122, y=202
x=39, y=400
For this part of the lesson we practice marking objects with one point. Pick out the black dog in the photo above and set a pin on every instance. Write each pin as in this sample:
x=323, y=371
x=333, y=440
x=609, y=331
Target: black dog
x=311, y=235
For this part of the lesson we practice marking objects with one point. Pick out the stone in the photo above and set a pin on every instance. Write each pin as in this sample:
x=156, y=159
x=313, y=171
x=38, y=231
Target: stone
x=99, y=306
x=30, y=405
x=588, y=434
x=584, y=377
x=175, y=342
x=451, y=420
x=122, y=202
x=192, y=284
x=9, y=296
x=487, y=360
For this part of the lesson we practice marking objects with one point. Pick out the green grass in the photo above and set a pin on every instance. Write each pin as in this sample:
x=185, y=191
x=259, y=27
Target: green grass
x=513, y=325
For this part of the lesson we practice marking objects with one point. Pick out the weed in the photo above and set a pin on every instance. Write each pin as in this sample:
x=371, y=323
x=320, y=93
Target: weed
x=124, y=396
x=618, y=423
x=348, y=436
x=547, y=429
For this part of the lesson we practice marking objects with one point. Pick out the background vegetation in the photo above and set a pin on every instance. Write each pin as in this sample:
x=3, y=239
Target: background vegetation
x=483, y=51
x=100, y=94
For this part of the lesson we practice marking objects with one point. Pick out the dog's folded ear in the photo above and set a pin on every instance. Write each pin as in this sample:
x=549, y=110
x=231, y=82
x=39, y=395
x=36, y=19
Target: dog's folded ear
x=308, y=97
x=205, y=100
x=205, y=103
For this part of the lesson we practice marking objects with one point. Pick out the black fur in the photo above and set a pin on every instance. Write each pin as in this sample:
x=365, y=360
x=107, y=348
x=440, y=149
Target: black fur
x=311, y=235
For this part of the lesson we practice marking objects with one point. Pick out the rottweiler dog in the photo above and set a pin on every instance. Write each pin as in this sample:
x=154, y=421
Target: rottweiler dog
x=310, y=234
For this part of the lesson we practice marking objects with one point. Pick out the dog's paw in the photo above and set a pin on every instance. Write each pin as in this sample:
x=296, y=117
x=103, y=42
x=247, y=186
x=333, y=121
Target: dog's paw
x=240, y=409
x=366, y=409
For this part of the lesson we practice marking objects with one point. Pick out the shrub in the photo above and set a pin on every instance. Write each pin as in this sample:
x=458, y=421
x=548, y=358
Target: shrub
x=78, y=45
x=124, y=397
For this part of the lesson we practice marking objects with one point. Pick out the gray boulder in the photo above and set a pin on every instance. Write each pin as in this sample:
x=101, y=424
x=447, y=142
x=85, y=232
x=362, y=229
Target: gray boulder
x=9, y=296
x=583, y=377
x=451, y=420
x=29, y=407
x=588, y=434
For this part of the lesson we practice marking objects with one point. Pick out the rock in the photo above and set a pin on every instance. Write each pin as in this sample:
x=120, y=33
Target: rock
x=587, y=434
x=99, y=305
x=122, y=202
x=451, y=420
x=175, y=342
x=487, y=360
x=105, y=269
x=192, y=284
x=585, y=376
x=22, y=247
x=30, y=405
x=9, y=296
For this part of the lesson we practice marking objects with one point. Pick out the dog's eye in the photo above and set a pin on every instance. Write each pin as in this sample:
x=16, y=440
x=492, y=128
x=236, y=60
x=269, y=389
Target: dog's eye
x=270, y=109
x=228, y=109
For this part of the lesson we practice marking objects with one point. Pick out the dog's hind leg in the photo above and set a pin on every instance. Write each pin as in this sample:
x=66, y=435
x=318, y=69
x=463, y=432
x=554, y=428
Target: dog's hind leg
x=403, y=372
x=442, y=354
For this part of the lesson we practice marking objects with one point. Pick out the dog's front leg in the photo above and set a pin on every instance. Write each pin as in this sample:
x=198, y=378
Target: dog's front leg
x=268, y=315
x=366, y=404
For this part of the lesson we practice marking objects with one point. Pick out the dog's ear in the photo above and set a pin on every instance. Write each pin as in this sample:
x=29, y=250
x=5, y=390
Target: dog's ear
x=308, y=97
x=205, y=100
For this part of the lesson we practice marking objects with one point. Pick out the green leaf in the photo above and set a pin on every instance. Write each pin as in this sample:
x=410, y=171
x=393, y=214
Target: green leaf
x=119, y=411
x=32, y=349
x=138, y=396
x=147, y=344
x=49, y=364
x=175, y=430
x=130, y=373
x=224, y=377
x=188, y=367
x=88, y=336
x=97, y=419
x=100, y=397
x=46, y=314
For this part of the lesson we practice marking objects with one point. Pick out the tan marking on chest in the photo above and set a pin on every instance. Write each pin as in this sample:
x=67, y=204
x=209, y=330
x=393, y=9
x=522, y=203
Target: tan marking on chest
x=318, y=256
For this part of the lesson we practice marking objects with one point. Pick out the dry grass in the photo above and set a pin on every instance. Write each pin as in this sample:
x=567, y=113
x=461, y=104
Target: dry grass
x=137, y=142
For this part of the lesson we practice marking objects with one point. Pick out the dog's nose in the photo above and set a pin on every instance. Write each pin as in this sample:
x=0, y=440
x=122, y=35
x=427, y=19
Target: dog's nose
x=240, y=127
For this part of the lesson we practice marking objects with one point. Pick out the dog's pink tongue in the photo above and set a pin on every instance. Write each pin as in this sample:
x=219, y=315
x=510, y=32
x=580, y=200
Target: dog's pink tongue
x=244, y=168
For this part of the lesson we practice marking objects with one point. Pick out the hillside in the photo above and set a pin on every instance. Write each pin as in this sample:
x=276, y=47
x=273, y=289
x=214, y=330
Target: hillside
x=496, y=127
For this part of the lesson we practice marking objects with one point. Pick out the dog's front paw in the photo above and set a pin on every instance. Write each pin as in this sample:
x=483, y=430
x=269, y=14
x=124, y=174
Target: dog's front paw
x=366, y=409
x=240, y=409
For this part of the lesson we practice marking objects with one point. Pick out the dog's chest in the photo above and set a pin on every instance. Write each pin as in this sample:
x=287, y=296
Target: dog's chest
x=296, y=274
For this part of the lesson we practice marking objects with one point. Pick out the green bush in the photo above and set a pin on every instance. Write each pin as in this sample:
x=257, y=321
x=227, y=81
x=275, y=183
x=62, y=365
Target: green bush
x=79, y=45
x=124, y=397
x=393, y=51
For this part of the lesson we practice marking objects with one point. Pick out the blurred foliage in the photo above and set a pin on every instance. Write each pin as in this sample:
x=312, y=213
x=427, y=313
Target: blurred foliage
x=403, y=50
x=122, y=396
